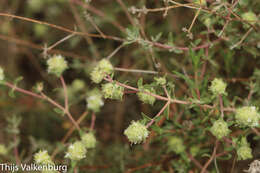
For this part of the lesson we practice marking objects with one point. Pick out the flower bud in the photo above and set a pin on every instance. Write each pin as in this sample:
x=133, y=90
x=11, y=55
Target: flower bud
x=78, y=85
x=244, y=151
x=160, y=81
x=136, y=132
x=145, y=97
x=112, y=91
x=103, y=68
x=194, y=150
x=76, y=151
x=218, y=87
x=42, y=157
x=176, y=145
x=249, y=17
x=3, y=150
x=89, y=140
x=247, y=116
x=94, y=100
x=57, y=65
x=220, y=129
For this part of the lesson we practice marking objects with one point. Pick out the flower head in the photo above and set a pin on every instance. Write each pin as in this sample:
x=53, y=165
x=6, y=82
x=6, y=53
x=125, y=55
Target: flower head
x=247, y=116
x=194, y=150
x=145, y=97
x=89, y=140
x=250, y=17
x=78, y=85
x=176, y=145
x=160, y=81
x=220, y=129
x=112, y=91
x=244, y=151
x=76, y=151
x=136, y=132
x=42, y=157
x=3, y=150
x=57, y=65
x=218, y=87
x=94, y=100
x=2, y=75
x=103, y=68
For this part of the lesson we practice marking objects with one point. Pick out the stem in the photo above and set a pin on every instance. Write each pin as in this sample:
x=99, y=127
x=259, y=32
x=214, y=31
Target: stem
x=65, y=93
x=204, y=169
x=159, y=113
x=221, y=106
x=15, y=88
x=93, y=120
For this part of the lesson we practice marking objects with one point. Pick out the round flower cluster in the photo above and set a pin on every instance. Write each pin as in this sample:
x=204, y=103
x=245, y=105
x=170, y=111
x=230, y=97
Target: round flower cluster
x=176, y=145
x=247, y=116
x=136, y=132
x=78, y=85
x=112, y=91
x=57, y=65
x=249, y=17
x=194, y=150
x=244, y=151
x=103, y=68
x=76, y=151
x=218, y=87
x=94, y=100
x=220, y=129
x=89, y=140
x=2, y=75
x=145, y=97
x=3, y=150
x=42, y=157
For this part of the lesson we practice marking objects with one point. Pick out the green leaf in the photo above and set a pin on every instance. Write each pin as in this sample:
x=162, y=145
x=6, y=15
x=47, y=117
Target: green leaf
x=59, y=111
x=145, y=119
x=187, y=80
x=157, y=37
x=140, y=83
x=157, y=129
x=17, y=80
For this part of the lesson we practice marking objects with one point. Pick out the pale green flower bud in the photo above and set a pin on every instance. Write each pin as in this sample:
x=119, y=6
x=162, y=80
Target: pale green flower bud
x=112, y=91
x=57, y=65
x=218, y=87
x=250, y=17
x=147, y=98
x=160, y=81
x=42, y=157
x=176, y=145
x=94, y=100
x=96, y=75
x=78, y=85
x=76, y=151
x=103, y=68
x=194, y=150
x=136, y=132
x=2, y=75
x=220, y=129
x=3, y=150
x=89, y=140
x=247, y=116
x=244, y=151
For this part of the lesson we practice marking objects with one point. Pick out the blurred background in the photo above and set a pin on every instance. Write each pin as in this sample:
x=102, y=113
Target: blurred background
x=22, y=45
